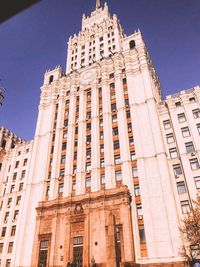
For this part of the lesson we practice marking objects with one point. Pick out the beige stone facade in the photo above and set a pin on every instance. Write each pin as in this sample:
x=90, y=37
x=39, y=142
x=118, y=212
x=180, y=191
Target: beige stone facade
x=101, y=219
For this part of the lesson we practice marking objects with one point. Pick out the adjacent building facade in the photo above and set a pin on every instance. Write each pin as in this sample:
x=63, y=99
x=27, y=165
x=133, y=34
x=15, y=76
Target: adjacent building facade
x=112, y=168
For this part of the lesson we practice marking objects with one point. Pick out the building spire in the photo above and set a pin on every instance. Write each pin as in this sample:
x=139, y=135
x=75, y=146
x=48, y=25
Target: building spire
x=98, y=4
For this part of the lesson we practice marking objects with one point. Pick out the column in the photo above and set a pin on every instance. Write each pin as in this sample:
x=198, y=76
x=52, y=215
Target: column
x=105, y=42
x=95, y=179
x=123, y=132
x=80, y=177
x=70, y=144
x=87, y=50
x=108, y=140
x=78, y=54
x=57, y=150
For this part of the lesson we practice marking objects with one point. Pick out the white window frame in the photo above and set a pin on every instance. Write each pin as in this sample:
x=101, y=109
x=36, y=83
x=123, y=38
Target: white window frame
x=173, y=153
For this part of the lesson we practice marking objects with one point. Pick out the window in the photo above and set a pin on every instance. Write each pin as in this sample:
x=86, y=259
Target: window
x=192, y=100
x=197, y=181
x=21, y=186
x=196, y=113
x=64, y=146
x=173, y=153
x=88, y=115
x=43, y=253
x=128, y=114
x=88, y=152
x=16, y=213
x=60, y=188
x=1, y=204
x=126, y=102
x=178, y=104
x=102, y=163
x=198, y=128
x=62, y=172
x=115, y=131
x=118, y=175
x=111, y=75
x=124, y=81
x=185, y=131
x=88, y=166
x=132, y=155
x=142, y=234
x=10, y=247
x=65, y=134
x=101, y=148
x=101, y=135
x=131, y=140
x=181, y=187
x=88, y=138
x=9, y=202
x=137, y=190
x=3, y=232
x=177, y=169
x=139, y=211
x=114, y=118
x=185, y=206
x=53, y=137
x=50, y=79
x=78, y=240
x=189, y=147
x=88, y=182
x=65, y=123
x=113, y=107
x=75, y=142
x=25, y=162
x=116, y=144
x=117, y=159
x=132, y=44
x=6, y=217
x=112, y=86
x=181, y=117
x=135, y=172
x=100, y=122
x=23, y=174
x=1, y=248
x=13, y=230
x=17, y=164
x=102, y=178
x=18, y=202
x=194, y=164
x=166, y=124
x=63, y=158
x=88, y=126
x=170, y=138
x=12, y=188
x=14, y=176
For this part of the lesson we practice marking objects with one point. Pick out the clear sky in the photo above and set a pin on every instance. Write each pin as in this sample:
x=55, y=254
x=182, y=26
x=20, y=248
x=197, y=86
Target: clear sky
x=36, y=39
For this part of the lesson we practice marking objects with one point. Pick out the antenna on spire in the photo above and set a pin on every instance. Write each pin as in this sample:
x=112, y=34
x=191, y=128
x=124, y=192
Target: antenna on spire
x=98, y=4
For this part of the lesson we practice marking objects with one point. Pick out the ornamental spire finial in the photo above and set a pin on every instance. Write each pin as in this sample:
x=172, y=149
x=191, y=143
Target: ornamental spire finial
x=98, y=4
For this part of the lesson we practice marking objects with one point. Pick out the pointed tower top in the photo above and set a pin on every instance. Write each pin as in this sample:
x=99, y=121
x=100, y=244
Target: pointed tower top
x=98, y=4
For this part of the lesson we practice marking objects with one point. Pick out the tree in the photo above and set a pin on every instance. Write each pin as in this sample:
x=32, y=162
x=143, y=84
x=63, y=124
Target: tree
x=190, y=233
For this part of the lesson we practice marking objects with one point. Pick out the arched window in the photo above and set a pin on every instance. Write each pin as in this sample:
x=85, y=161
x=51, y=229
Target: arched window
x=132, y=44
x=50, y=79
x=3, y=144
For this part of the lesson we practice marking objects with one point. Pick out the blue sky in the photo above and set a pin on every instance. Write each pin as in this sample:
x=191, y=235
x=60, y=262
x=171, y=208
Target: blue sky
x=36, y=39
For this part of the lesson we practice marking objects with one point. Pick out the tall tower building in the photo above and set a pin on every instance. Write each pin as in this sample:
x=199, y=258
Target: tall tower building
x=109, y=166
x=104, y=180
